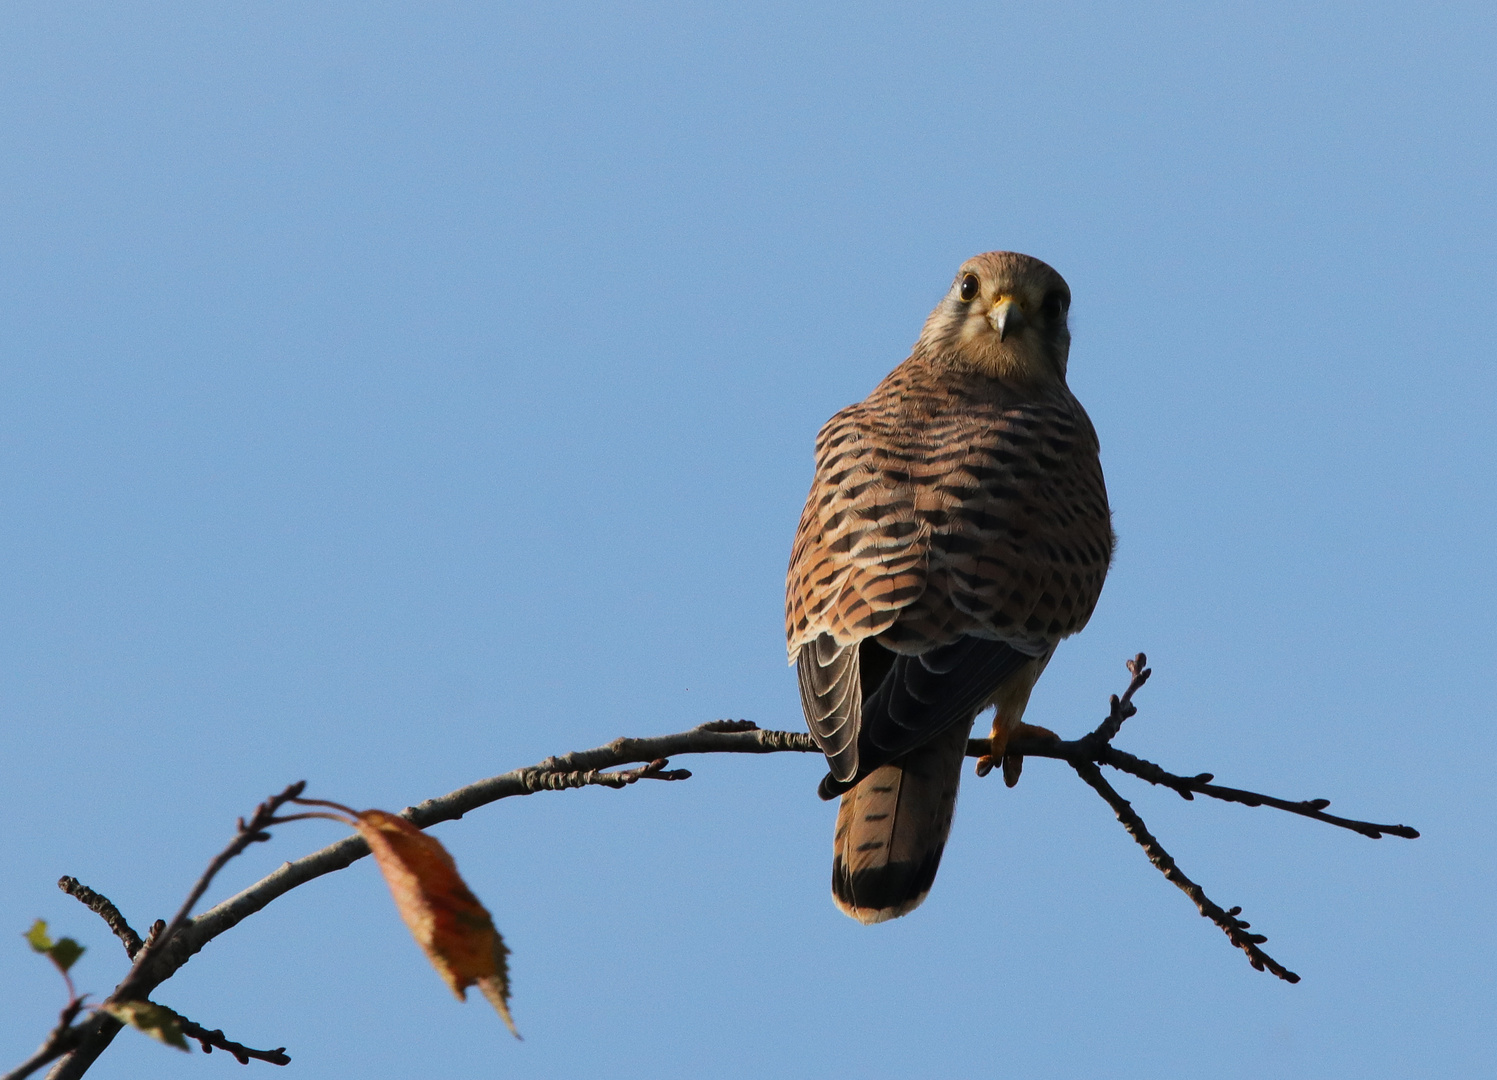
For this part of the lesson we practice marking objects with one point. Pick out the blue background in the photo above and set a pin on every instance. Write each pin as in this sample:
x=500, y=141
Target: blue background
x=394, y=395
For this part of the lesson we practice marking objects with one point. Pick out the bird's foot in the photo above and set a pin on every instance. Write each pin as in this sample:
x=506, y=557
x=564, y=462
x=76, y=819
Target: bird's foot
x=1013, y=764
x=998, y=744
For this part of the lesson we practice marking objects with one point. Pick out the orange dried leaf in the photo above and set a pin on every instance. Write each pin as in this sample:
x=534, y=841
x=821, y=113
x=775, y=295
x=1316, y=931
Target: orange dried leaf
x=446, y=919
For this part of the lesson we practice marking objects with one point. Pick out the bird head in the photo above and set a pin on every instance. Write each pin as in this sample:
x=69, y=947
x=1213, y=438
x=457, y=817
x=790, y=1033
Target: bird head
x=1005, y=315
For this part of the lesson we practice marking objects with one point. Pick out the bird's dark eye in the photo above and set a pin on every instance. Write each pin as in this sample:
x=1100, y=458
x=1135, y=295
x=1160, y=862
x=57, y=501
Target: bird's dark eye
x=1054, y=305
x=969, y=287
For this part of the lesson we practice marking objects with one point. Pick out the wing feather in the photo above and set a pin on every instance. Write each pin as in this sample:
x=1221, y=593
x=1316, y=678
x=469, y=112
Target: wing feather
x=831, y=697
x=949, y=523
x=922, y=696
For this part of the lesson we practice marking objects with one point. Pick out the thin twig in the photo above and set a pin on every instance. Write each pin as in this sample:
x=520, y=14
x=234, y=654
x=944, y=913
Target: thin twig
x=655, y=770
x=1201, y=784
x=1233, y=927
x=215, y=1040
x=1084, y=749
x=106, y=910
x=59, y=1041
x=151, y=964
x=1122, y=708
x=155, y=963
x=168, y=947
x=1085, y=754
x=249, y=833
x=92, y=1038
x=715, y=737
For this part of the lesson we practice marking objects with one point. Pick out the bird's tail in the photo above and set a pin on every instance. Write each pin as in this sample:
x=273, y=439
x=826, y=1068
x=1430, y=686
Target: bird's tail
x=892, y=828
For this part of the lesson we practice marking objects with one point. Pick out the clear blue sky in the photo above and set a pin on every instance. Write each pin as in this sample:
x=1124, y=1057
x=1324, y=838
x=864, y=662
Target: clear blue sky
x=393, y=395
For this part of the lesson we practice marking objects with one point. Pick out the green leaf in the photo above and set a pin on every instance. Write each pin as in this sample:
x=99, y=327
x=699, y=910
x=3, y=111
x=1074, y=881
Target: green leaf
x=64, y=952
x=157, y=1021
x=37, y=936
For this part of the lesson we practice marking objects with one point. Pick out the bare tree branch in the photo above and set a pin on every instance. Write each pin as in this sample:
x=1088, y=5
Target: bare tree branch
x=59, y=1041
x=215, y=1040
x=249, y=833
x=168, y=947
x=655, y=770
x=1201, y=785
x=91, y=1038
x=150, y=966
x=106, y=910
x=171, y=946
x=579, y=769
x=1233, y=927
x=1081, y=750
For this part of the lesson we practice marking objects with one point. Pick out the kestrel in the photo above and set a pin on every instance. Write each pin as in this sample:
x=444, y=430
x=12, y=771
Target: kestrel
x=957, y=528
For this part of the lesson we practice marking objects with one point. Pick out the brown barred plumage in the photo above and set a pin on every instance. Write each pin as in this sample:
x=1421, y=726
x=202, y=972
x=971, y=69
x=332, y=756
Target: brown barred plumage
x=957, y=528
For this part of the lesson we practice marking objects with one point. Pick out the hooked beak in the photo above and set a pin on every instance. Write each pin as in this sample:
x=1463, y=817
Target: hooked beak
x=1006, y=317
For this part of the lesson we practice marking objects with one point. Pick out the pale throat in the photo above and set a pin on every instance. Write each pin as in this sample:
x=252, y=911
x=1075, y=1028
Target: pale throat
x=1021, y=358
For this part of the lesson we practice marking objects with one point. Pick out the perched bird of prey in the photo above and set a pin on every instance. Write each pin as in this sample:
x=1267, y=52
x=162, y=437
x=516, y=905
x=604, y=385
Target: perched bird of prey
x=957, y=528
